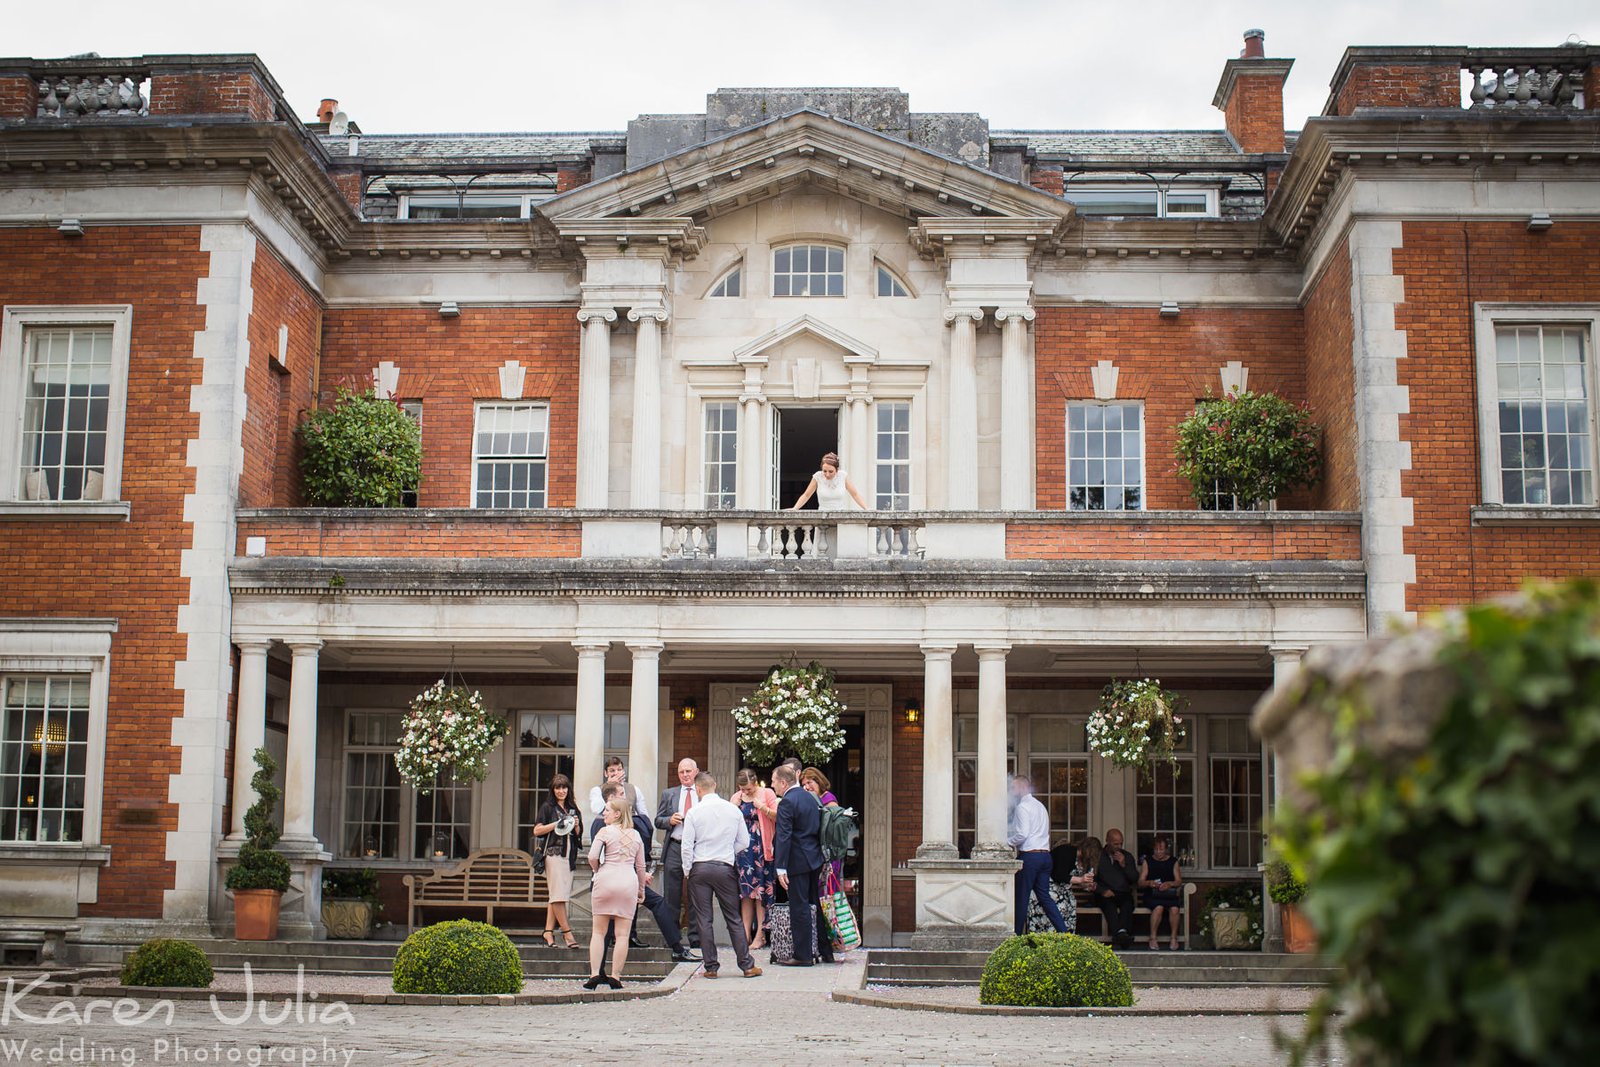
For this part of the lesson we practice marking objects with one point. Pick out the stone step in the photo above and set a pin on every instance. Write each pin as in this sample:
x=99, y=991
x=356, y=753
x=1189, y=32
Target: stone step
x=1183, y=969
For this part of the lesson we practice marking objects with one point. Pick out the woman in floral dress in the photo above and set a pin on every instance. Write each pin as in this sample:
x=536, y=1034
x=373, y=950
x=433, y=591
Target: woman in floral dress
x=756, y=879
x=1063, y=893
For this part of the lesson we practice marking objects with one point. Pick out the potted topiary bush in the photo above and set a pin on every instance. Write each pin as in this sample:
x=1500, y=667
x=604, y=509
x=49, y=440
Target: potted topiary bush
x=350, y=902
x=458, y=958
x=1287, y=889
x=1250, y=447
x=1055, y=971
x=167, y=961
x=261, y=876
x=363, y=452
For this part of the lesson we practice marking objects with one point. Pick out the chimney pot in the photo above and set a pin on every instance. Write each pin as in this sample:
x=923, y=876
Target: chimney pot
x=326, y=109
x=1255, y=44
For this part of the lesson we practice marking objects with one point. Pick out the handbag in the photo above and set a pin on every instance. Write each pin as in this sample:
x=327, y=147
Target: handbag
x=843, y=919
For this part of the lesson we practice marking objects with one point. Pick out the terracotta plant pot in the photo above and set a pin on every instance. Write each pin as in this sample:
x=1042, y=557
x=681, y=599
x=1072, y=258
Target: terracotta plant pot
x=347, y=918
x=1298, y=934
x=255, y=914
x=1230, y=929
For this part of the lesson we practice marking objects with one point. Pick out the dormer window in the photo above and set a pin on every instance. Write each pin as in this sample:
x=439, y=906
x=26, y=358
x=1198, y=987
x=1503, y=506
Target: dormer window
x=1142, y=200
x=808, y=270
x=889, y=285
x=730, y=284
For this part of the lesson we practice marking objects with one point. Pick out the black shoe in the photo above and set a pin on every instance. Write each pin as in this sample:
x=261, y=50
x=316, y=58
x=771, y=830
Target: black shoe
x=614, y=983
x=594, y=981
x=795, y=963
x=634, y=942
x=683, y=955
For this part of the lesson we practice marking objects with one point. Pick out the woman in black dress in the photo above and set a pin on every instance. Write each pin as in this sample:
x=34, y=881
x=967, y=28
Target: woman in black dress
x=558, y=829
x=1161, y=879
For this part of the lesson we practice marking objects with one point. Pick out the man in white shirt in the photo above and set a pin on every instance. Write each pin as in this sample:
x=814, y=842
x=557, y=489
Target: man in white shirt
x=714, y=833
x=1030, y=836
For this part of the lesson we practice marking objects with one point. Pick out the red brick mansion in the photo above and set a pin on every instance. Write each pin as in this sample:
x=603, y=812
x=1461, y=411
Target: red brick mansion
x=628, y=350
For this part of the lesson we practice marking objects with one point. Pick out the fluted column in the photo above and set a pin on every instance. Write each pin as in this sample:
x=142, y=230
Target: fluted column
x=750, y=495
x=250, y=725
x=644, y=717
x=961, y=429
x=300, y=764
x=594, y=408
x=589, y=724
x=938, y=755
x=993, y=796
x=1016, y=416
x=645, y=489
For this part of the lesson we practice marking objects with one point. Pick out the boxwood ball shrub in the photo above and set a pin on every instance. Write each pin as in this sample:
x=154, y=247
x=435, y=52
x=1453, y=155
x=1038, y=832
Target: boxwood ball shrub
x=167, y=961
x=458, y=958
x=1055, y=971
x=363, y=452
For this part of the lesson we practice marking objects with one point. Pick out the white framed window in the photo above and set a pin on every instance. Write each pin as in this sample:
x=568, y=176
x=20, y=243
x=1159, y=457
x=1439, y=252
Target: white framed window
x=1537, y=384
x=721, y=454
x=889, y=283
x=1236, y=792
x=966, y=755
x=1142, y=200
x=510, y=454
x=544, y=750
x=1058, y=764
x=413, y=408
x=1164, y=804
x=894, y=455
x=63, y=398
x=54, y=690
x=372, y=819
x=1105, y=456
x=477, y=204
x=730, y=285
x=808, y=270
x=443, y=826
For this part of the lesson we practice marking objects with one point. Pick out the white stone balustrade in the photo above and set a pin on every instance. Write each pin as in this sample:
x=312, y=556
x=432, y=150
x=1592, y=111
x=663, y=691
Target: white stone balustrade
x=71, y=96
x=1512, y=84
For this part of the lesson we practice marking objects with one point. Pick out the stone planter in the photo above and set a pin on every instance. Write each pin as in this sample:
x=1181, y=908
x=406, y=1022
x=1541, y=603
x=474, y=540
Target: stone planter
x=1298, y=933
x=1230, y=930
x=350, y=919
x=255, y=914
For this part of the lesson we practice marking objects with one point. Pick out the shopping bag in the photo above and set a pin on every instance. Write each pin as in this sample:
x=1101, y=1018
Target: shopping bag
x=843, y=920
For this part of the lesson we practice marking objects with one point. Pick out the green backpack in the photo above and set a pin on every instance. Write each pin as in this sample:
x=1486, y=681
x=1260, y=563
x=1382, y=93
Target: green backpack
x=839, y=832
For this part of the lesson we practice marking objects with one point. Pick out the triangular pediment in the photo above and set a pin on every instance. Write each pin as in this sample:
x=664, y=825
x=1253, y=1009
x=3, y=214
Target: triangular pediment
x=809, y=150
x=855, y=351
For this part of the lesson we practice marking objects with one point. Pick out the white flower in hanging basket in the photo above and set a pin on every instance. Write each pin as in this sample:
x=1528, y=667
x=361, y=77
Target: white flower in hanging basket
x=795, y=712
x=1136, y=723
x=447, y=733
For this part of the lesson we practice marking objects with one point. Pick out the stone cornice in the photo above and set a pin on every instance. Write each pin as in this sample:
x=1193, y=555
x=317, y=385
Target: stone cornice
x=942, y=236
x=672, y=236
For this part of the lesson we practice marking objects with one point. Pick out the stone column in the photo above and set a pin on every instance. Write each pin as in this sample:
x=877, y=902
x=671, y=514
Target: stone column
x=750, y=496
x=938, y=755
x=250, y=729
x=644, y=718
x=860, y=454
x=594, y=408
x=300, y=770
x=589, y=727
x=1016, y=415
x=646, y=482
x=1285, y=665
x=961, y=430
x=993, y=796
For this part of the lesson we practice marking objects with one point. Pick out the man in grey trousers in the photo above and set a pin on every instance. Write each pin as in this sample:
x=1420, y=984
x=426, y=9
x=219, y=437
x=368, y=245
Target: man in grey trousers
x=714, y=833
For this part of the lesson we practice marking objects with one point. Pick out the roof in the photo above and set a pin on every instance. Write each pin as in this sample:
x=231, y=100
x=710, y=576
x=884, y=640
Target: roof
x=522, y=146
x=1134, y=144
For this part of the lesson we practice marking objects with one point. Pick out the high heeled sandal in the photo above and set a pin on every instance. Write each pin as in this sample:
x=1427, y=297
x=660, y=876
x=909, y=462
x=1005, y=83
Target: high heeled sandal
x=549, y=939
x=572, y=942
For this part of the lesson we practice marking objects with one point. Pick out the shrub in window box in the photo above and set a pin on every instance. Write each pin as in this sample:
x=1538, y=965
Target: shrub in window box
x=167, y=961
x=260, y=878
x=1055, y=971
x=1251, y=446
x=363, y=452
x=350, y=904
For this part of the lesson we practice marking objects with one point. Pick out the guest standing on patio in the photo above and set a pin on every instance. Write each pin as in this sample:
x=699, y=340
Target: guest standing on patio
x=759, y=806
x=831, y=880
x=833, y=488
x=1030, y=836
x=676, y=803
x=714, y=834
x=797, y=854
x=617, y=859
x=559, y=826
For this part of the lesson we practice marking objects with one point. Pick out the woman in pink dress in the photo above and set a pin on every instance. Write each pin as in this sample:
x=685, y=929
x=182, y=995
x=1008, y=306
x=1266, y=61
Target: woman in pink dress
x=617, y=859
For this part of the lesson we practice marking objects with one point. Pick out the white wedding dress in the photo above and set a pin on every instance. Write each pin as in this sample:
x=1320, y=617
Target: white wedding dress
x=832, y=495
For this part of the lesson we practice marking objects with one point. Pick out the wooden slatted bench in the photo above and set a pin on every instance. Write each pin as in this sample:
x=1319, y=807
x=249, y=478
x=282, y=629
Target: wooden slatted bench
x=490, y=878
x=1091, y=905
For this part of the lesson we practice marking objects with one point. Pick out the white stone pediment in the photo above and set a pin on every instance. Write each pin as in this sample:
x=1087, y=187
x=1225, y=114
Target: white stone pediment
x=806, y=336
x=810, y=149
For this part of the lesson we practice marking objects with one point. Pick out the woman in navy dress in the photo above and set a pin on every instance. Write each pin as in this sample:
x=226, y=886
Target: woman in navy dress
x=1162, y=881
x=756, y=877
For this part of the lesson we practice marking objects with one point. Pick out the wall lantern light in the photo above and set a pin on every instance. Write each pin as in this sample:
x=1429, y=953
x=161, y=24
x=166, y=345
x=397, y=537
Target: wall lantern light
x=688, y=711
x=913, y=712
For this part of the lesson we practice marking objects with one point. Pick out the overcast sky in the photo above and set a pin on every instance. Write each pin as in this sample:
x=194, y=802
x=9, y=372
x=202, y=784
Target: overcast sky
x=402, y=66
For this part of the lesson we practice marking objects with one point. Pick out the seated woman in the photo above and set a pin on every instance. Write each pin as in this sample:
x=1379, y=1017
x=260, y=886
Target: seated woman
x=1067, y=875
x=1161, y=883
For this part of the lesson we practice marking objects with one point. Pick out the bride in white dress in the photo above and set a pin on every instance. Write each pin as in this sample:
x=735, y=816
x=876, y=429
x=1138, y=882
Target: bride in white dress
x=835, y=491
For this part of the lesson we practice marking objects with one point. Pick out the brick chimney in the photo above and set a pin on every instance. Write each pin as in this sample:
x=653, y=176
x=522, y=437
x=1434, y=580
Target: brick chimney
x=1250, y=95
x=326, y=109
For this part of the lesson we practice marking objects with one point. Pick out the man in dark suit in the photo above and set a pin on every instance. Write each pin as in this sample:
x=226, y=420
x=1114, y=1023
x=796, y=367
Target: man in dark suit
x=797, y=856
x=675, y=805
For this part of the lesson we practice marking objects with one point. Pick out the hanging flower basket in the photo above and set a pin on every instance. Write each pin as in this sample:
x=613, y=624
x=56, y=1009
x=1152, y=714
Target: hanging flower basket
x=446, y=733
x=795, y=712
x=1136, y=723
